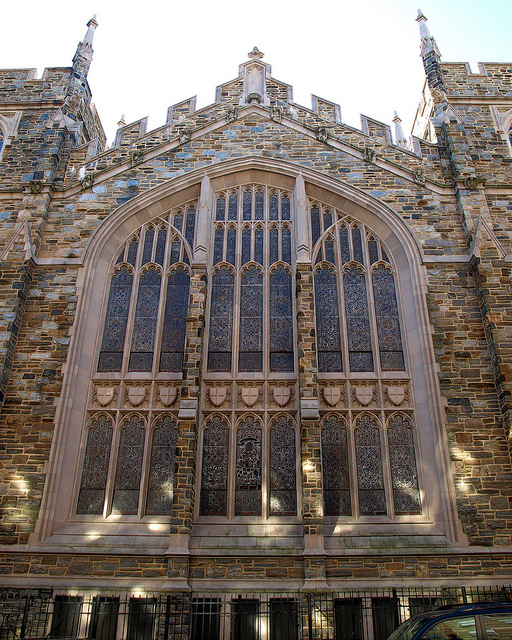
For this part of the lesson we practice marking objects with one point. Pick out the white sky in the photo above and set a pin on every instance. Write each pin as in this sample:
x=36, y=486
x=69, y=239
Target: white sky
x=361, y=54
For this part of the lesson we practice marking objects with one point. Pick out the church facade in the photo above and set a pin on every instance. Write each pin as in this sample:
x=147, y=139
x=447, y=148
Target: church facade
x=255, y=351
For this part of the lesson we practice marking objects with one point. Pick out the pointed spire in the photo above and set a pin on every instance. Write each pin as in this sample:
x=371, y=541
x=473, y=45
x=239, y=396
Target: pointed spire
x=428, y=43
x=121, y=122
x=85, y=47
x=400, y=139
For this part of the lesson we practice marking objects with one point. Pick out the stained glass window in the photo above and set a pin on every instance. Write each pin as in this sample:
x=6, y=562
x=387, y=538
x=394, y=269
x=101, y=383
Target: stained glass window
x=258, y=245
x=148, y=245
x=220, y=210
x=285, y=208
x=330, y=255
x=274, y=245
x=327, y=320
x=132, y=252
x=248, y=469
x=404, y=475
x=94, y=475
x=283, y=492
x=287, y=246
x=233, y=207
x=161, y=470
x=357, y=321
x=214, y=476
x=231, y=246
x=259, y=210
x=281, y=320
x=246, y=245
x=129, y=466
x=370, y=481
x=175, y=251
x=247, y=205
x=273, y=207
x=315, y=225
x=357, y=245
x=373, y=251
x=388, y=323
x=221, y=321
x=218, y=245
x=114, y=333
x=160, y=247
x=191, y=226
x=175, y=321
x=251, y=321
x=178, y=221
x=144, y=328
x=337, y=500
x=344, y=244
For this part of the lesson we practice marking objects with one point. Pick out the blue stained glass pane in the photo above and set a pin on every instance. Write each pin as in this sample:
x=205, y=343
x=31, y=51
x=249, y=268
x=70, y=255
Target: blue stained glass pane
x=231, y=246
x=218, y=245
x=247, y=205
x=221, y=321
x=287, y=246
x=335, y=468
x=251, y=321
x=120, y=257
x=259, y=209
x=273, y=207
x=129, y=467
x=246, y=245
x=258, y=246
x=161, y=471
x=233, y=207
x=283, y=492
x=144, y=327
x=329, y=251
x=370, y=481
x=248, y=469
x=327, y=219
x=281, y=321
x=285, y=208
x=274, y=246
x=132, y=252
x=114, y=333
x=175, y=321
x=357, y=245
x=214, y=475
x=315, y=224
x=357, y=320
x=160, y=246
x=178, y=220
x=175, y=251
x=327, y=321
x=388, y=322
x=344, y=245
x=373, y=251
x=191, y=226
x=220, y=210
x=148, y=245
x=384, y=254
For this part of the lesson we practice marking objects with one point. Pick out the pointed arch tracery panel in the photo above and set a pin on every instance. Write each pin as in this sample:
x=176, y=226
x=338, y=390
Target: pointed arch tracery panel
x=214, y=474
x=404, y=473
x=335, y=464
x=128, y=475
x=283, y=490
x=91, y=499
x=161, y=471
x=248, y=476
x=370, y=478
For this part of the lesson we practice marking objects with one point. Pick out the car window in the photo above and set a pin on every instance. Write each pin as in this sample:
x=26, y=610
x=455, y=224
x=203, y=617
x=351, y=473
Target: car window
x=409, y=629
x=463, y=628
x=498, y=626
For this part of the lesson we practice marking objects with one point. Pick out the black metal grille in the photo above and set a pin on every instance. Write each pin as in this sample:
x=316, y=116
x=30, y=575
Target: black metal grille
x=344, y=615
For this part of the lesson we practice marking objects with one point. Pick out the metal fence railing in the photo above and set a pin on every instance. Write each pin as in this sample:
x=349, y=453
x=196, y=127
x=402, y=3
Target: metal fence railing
x=344, y=615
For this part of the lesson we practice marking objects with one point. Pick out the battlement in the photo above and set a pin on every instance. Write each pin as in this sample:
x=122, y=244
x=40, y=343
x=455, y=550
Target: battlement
x=22, y=85
x=492, y=79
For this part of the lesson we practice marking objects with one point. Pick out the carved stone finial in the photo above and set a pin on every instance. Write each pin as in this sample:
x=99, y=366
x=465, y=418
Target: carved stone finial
x=400, y=139
x=122, y=122
x=428, y=43
x=255, y=54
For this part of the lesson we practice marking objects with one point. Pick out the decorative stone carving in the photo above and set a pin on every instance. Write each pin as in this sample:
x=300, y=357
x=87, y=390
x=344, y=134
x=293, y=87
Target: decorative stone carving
x=282, y=396
x=471, y=182
x=321, y=134
x=419, y=177
x=249, y=395
x=104, y=395
x=136, y=395
x=232, y=114
x=332, y=395
x=276, y=114
x=136, y=157
x=35, y=186
x=255, y=54
x=87, y=181
x=369, y=154
x=396, y=395
x=364, y=395
x=217, y=395
x=168, y=395
x=185, y=136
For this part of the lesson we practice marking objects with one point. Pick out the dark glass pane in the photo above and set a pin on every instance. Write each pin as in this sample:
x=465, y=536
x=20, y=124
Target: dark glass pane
x=404, y=475
x=161, y=471
x=274, y=246
x=284, y=619
x=385, y=617
x=231, y=246
x=221, y=321
x=246, y=245
x=191, y=226
x=233, y=207
x=315, y=225
x=281, y=321
x=285, y=208
x=178, y=221
x=283, y=492
x=132, y=252
x=273, y=207
x=344, y=245
x=251, y=321
x=384, y=254
x=258, y=245
x=160, y=246
x=248, y=469
x=105, y=610
x=141, y=618
x=329, y=251
x=205, y=619
x=357, y=245
x=114, y=333
x=94, y=475
x=220, y=210
x=372, y=500
x=327, y=321
x=247, y=205
x=214, y=475
x=357, y=320
x=148, y=245
x=245, y=620
x=66, y=616
x=144, y=326
x=120, y=257
x=175, y=321
x=327, y=219
x=287, y=246
x=175, y=251
x=373, y=251
x=336, y=475
x=218, y=245
x=129, y=467
x=348, y=618
x=388, y=323
x=259, y=209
